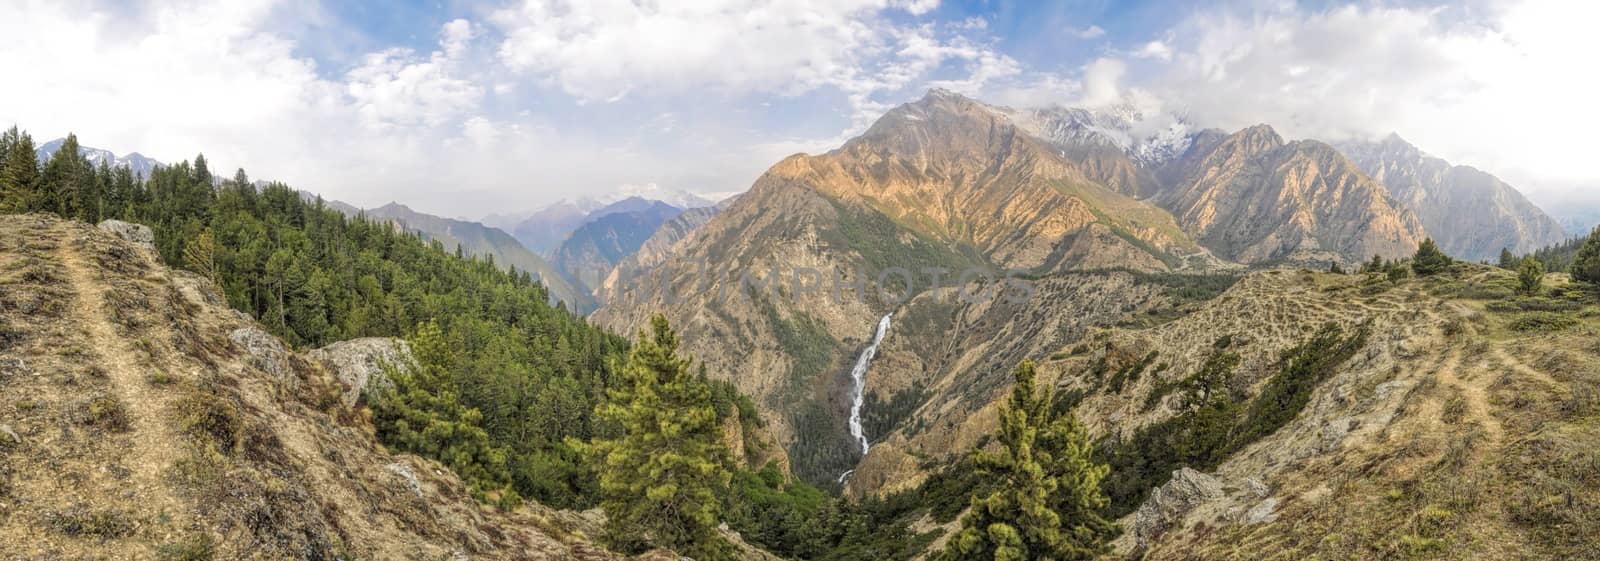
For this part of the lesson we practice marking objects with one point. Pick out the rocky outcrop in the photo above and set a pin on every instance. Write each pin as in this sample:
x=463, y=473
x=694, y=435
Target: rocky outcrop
x=359, y=363
x=1168, y=503
x=265, y=351
x=139, y=234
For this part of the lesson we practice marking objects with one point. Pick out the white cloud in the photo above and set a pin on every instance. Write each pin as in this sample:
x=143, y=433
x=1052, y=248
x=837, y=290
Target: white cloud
x=1091, y=32
x=1158, y=50
x=605, y=51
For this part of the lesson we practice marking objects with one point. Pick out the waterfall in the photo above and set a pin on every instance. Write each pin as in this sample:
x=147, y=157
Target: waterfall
x=859, y=376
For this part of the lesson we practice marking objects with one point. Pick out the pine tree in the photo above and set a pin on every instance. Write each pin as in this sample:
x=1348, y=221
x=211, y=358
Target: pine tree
x=19, y=179
x=1429, y=260
x=64, y=179
x=422, y=414
x=1373, y=266
x=1586, y=264
x=662, y=477
x=1530, y=276
x=1508, y=260
x=1335, y=268
x=200, y=255
x=1049, y=504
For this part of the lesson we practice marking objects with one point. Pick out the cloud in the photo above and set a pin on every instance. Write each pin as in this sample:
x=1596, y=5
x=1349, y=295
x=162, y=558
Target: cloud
x=607, y=51
x=1091, y=32
x=1158, y=50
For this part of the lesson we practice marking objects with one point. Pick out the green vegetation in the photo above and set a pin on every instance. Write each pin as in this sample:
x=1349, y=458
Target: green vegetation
x=662, y=475
x=1048, y=503
x=1586, y=261
x=1530, y=276
x=1217, y=420
x=1429, y=260
x=422, y=414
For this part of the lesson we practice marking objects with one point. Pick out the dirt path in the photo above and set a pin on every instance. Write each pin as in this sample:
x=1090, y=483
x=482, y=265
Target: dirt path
x=153, y=446
x=1476, y=394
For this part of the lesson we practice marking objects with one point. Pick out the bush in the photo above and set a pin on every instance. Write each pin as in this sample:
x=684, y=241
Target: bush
x=210, y=419
x=197, y=548
x=107, y=412
x=1543, y=321
x=105, y=525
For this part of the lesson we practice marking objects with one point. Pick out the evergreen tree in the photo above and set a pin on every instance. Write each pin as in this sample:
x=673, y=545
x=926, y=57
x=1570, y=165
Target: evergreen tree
x=1373, y=266
x=1586, y=264
x=1429, y=260
x=1049, y=505
x=1530, y=276
x=19, y=178
x=420, y=413
x=1335, y=268
x=1508, y=260
x=662, y=477
x=200, y=255
x=64, y=179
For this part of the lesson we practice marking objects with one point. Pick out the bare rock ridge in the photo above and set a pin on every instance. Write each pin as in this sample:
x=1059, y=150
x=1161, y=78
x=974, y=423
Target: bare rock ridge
x=141, y=416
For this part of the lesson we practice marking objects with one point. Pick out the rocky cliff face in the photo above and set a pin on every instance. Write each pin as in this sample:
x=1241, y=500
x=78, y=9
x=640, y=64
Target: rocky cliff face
x=1254, y=198
x=1472, y=214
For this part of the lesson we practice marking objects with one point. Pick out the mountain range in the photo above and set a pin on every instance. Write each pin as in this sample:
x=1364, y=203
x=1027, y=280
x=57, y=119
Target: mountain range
x=136, y=162
x=1113, y=220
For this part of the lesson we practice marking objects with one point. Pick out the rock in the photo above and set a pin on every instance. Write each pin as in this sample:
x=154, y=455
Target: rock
x=12, y=366
x=1334, y=431
x=1257, y=487
x=405, y=473
x=9, y=437
x=359, y=362
x=1262, y=513
x=266, y=352
x=1168, y=503
x=139, y=234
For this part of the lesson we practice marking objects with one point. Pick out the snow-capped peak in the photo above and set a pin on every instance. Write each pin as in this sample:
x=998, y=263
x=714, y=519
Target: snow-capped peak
x=1148, y=139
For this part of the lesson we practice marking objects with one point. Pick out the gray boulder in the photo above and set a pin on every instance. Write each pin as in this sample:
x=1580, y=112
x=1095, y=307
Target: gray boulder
x=1169, y=503
x=266, y=352
x=139, y=234
x=358, y=363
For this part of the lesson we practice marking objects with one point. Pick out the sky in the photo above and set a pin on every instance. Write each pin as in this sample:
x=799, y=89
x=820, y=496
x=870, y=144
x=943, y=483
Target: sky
x=475, y=107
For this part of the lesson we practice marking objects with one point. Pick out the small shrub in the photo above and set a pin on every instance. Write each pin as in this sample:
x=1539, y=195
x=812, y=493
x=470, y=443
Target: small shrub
x=106, y=412
x=105, y=525
x=160, y=378
x=197, y=548
x=211, y=419
x=1543, y=322
x=1455, y=409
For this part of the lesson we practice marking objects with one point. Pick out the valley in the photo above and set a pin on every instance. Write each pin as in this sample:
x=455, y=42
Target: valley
x=1255, y=343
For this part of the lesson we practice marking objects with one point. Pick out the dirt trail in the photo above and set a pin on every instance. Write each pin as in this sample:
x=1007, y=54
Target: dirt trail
x=1476, y=394
x=153, y=446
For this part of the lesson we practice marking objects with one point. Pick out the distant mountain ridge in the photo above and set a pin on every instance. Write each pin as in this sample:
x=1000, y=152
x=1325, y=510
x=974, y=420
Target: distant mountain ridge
x=1472, y=213
x=473, y=239
x=138, y=163
x=589, y=254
